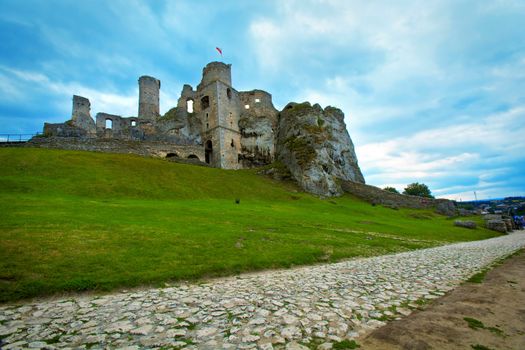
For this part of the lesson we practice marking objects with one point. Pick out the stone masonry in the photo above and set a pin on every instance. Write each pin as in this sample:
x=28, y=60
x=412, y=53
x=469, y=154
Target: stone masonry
x=304, y=308
x=234, y=129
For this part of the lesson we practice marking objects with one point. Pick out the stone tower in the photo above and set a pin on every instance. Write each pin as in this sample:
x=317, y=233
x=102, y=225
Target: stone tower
x=219, y=108
x=148, y=98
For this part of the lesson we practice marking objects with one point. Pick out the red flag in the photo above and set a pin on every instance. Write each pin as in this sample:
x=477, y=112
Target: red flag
x=218, y=49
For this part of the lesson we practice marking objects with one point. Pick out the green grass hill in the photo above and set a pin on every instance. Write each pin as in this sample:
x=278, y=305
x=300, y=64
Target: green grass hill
x=74, y=221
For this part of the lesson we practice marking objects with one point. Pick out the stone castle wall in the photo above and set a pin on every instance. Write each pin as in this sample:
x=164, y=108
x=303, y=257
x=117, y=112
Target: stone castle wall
x=258, y=126
x=144, y=148
x=121, y=128
x=231, y=129
x=80, y=118
x=376, y=195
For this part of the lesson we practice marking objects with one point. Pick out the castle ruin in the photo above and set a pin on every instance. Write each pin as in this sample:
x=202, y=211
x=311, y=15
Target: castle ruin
x=222, y=127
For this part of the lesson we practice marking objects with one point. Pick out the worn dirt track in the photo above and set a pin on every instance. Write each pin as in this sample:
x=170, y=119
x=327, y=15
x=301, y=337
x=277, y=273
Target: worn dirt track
x=498, y=302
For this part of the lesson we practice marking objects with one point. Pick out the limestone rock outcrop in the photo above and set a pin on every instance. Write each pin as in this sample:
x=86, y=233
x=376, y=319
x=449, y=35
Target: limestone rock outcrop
x=315, y=146
x=258, y=140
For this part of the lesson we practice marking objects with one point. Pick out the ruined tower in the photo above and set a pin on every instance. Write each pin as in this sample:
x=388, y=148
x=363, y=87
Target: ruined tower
x=148, y=98
x=80, y=115
x=218, y=106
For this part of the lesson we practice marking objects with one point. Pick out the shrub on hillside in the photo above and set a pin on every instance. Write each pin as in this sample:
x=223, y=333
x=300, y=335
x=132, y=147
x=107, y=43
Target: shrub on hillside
x=417, y=189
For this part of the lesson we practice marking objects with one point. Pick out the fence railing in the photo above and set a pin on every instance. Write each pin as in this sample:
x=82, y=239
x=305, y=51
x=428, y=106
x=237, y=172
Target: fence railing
x=15, y=138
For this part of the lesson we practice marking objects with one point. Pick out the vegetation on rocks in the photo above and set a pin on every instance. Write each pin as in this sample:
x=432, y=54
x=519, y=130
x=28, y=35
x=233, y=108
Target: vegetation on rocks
x=72, y=221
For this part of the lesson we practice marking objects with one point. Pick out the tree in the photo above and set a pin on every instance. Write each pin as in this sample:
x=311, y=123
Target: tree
x=417, y=189
x=390, y=189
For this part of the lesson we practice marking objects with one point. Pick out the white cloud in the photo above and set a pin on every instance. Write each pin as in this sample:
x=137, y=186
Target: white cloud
x=20, y=84
x=434, y=154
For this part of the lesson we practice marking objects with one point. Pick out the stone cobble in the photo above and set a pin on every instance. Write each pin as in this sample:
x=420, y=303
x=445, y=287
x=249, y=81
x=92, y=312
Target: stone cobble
x=301, y=308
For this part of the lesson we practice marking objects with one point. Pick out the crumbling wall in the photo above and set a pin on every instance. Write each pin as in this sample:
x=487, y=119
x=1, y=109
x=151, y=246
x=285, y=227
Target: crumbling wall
x=66, y=129
x=81, y=117
x=121, y=128
x=179, y=123
x=80, y=125
x=258, y=126
x=376, y=195
x=144, y=148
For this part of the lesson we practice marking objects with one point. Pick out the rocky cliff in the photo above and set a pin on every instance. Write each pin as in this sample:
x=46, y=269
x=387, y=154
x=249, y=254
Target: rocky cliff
x=316, y=147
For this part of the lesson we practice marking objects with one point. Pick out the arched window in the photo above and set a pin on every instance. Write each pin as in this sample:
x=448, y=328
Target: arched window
x=133, y=123
x=229, y=93
x=233, y=143
x=189, y=106
x=109, y=124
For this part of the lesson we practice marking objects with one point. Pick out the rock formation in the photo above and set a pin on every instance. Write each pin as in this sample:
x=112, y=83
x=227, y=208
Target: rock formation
x=316, y=147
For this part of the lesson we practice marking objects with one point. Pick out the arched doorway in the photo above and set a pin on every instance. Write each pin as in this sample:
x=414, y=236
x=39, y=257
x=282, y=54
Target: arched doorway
x=208, y=151
x=172, y=155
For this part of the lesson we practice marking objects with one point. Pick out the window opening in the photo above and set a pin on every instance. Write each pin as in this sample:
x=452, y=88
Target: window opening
x=109, y=124
x=208, y=152
x=205, y=102
x=189, y=106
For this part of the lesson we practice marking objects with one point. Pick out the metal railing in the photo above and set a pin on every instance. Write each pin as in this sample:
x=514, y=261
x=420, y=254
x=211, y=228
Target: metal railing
x=16, y=138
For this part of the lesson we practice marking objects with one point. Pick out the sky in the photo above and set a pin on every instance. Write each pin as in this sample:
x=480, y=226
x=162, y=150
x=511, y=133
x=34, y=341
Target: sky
x=432, y=91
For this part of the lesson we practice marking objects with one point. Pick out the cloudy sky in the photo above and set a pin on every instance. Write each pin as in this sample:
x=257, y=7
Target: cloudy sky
x=433, y=91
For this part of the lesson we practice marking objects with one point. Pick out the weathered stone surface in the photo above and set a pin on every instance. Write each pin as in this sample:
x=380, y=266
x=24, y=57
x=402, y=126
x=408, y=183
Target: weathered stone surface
x=144, y=148
x=377, y=196
x=497, y=225
x=233, y=129
x=316, y=147
x=284, y=309
x=466, y=224
x=81, y=117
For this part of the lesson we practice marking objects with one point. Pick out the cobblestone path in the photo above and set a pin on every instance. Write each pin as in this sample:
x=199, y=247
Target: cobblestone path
x=302, y=308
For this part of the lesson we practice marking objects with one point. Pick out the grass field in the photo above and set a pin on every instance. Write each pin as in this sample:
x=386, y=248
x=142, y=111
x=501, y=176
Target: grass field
x=73, y=221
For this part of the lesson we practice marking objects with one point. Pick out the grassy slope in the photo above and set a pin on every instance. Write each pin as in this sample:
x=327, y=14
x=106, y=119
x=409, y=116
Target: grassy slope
x=78, y=220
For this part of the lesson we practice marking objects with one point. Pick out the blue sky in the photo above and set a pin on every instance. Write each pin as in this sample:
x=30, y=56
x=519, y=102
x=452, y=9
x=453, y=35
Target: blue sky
x=433, y=91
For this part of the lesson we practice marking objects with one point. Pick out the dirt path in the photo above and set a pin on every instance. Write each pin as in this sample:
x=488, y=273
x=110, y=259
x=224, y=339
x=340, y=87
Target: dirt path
x=498, y=302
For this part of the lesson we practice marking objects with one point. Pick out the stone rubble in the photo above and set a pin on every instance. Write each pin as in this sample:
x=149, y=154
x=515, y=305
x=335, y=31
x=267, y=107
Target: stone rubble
x=301, y=308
